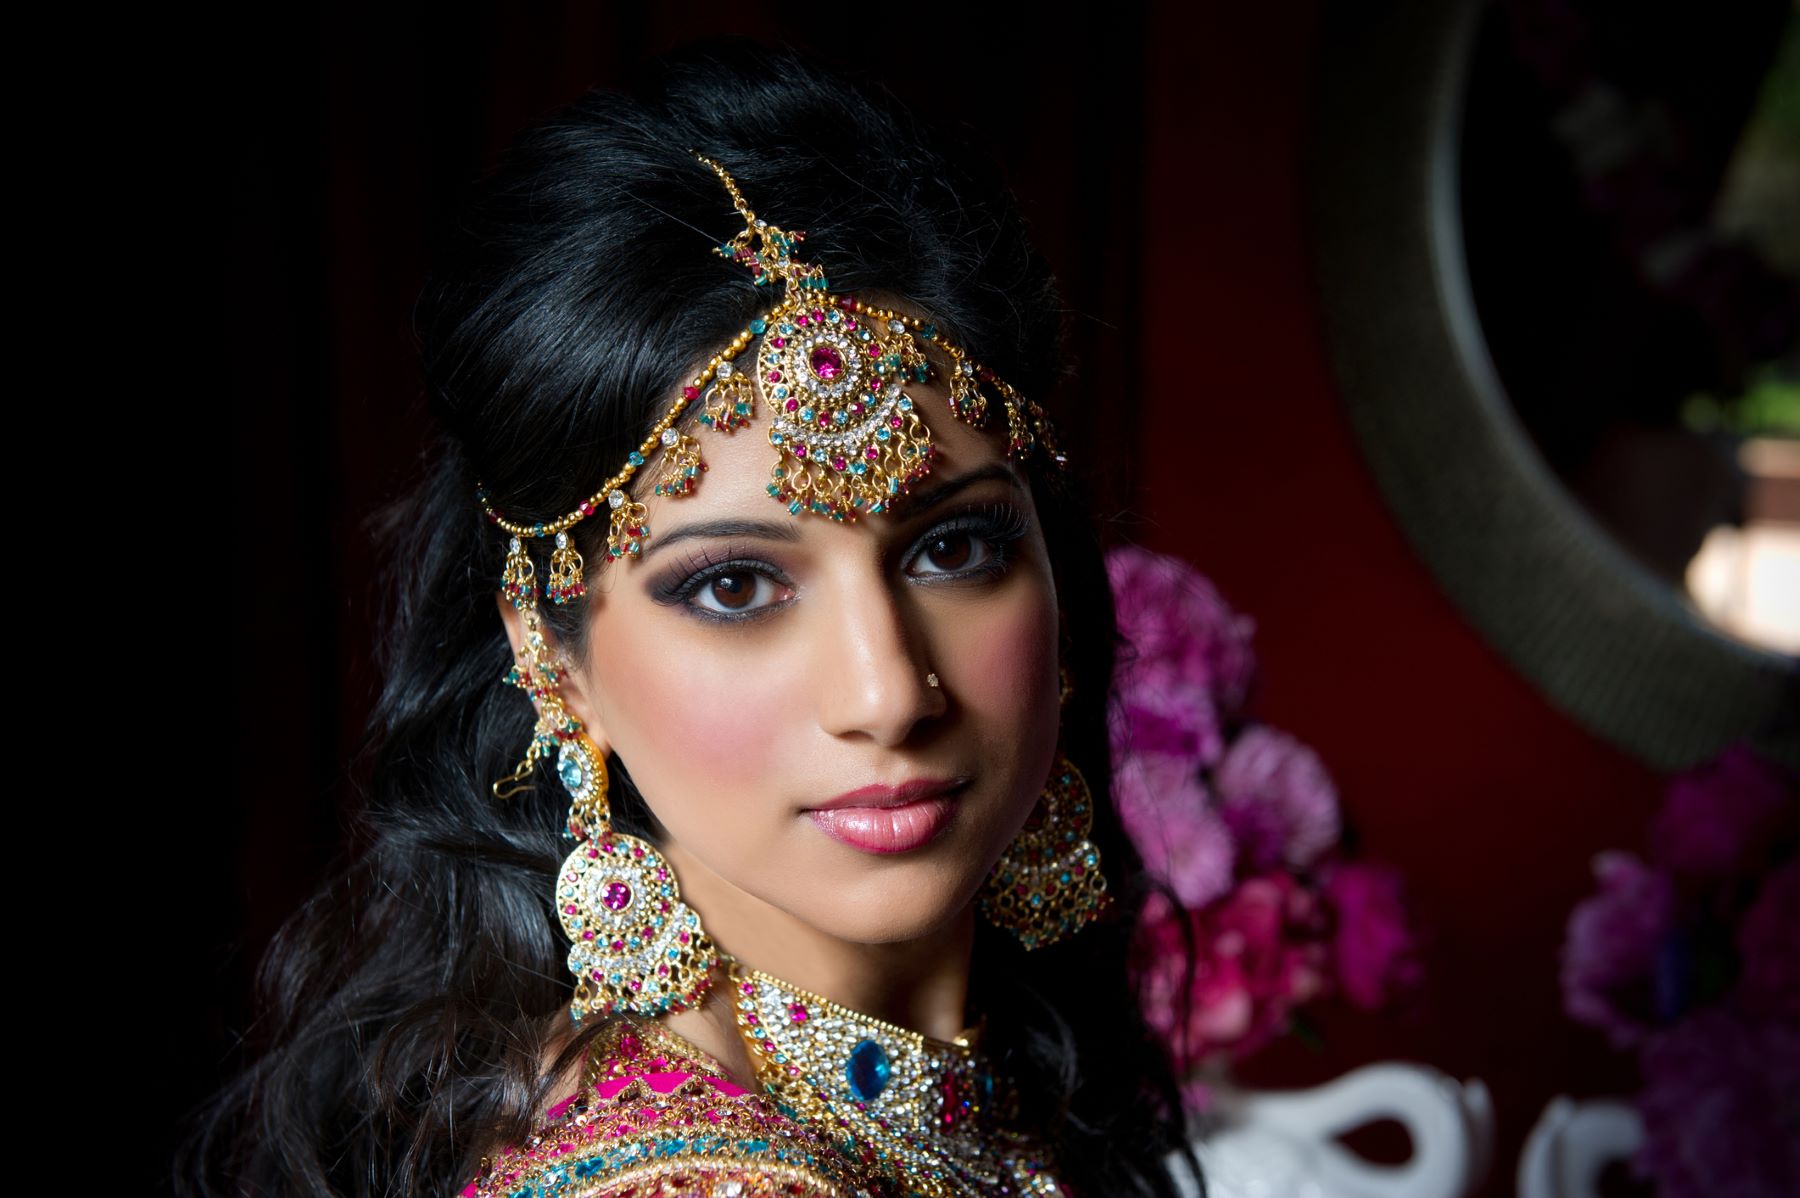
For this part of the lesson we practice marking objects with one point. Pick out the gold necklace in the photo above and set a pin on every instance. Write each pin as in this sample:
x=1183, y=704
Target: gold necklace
x=921, y=1112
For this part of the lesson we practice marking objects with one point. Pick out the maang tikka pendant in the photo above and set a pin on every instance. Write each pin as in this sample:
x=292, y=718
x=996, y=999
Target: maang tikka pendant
x=637, y=948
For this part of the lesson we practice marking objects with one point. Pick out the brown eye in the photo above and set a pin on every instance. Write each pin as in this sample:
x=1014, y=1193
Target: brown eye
x=733, y=592
x=953, y=551
x=949, y=552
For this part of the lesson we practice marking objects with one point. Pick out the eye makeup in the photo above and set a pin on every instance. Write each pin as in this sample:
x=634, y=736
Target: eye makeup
x=997, y=526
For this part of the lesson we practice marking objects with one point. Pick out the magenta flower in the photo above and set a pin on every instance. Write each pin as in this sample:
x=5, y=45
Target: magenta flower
x=1277, y=800
x=1609, y=954
x=1259, y=953
x=1164, y=806
x=1769, y=948
x=1186, y=665
x=1373, y=950
x=1720, y=1107
x=1721, y=819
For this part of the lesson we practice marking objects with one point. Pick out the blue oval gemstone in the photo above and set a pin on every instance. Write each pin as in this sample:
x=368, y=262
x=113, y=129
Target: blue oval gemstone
x=867, y=1070
x=570, y=769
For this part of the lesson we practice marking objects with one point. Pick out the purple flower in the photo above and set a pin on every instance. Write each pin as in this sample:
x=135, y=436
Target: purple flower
x=1186, y=664
x=1172, y=822
x=1720, y=819
x=1277, y=800
x=1721, y=1107
x=1610, y=954
x=1769, y=947
x=1374, y=949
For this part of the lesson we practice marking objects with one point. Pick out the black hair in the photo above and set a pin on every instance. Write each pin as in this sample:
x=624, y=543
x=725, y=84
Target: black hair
x=409, y=1004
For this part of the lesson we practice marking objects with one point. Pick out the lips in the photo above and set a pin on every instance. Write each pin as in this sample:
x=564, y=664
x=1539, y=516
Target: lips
x=890, y=819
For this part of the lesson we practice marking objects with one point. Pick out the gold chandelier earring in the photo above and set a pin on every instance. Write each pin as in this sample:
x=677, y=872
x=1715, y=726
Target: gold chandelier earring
x=636, y=948
x=1047, y=885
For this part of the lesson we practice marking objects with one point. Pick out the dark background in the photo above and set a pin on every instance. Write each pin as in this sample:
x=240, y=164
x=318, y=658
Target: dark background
x=1159, y=152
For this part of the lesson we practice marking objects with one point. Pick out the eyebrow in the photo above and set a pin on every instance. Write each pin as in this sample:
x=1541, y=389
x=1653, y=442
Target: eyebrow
x=918, y=502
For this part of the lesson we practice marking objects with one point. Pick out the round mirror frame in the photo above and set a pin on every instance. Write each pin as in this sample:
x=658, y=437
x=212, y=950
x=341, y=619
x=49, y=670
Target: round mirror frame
x=1604, y=640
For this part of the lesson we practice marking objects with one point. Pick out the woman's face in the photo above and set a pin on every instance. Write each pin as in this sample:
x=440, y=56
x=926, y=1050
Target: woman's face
x=752, y=667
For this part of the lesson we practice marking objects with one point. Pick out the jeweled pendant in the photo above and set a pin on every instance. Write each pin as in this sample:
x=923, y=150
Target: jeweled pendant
x=636, y=947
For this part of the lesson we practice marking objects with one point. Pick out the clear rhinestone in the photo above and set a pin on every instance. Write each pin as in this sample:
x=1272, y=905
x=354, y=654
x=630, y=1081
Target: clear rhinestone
x=562, y=540
x=896, y=326
x=670, y=436
x=616, y=498
x=725, y=369
x=513, y=545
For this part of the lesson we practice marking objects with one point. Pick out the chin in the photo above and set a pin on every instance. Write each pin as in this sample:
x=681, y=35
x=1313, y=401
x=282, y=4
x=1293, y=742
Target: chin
x=901, y=902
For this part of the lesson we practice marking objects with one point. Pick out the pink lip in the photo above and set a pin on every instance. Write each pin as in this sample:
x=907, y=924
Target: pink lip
x=889, y=819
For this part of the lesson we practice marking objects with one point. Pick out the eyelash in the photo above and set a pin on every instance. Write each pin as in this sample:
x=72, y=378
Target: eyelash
x=1000, y=525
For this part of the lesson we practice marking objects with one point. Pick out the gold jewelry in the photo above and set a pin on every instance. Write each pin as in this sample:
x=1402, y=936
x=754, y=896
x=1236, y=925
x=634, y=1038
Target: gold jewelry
x=1047, y=885
x=925, y=1113
x=636, y=946
x=833, y=371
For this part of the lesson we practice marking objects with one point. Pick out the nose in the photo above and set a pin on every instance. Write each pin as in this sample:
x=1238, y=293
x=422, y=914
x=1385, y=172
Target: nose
x=873, y=666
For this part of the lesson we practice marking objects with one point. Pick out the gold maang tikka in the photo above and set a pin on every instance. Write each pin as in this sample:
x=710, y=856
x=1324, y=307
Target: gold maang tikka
x=833, y=372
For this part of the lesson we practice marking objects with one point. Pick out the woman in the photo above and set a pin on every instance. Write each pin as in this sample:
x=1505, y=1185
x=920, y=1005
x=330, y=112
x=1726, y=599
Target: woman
x=745, y=485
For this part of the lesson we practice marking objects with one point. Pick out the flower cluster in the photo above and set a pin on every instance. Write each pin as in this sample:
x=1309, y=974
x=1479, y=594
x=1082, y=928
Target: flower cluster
x=1242, y=823
x=1691, y=958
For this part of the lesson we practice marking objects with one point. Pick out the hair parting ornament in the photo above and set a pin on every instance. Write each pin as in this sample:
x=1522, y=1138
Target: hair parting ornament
x=833, y=371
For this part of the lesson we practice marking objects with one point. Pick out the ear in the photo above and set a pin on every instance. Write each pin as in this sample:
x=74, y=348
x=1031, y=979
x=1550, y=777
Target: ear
x=573, y=688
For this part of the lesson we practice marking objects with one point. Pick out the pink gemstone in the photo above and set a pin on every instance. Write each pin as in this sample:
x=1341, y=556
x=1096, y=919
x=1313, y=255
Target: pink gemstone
x=838, y=463
x=594, y=855
x=662, y=875
x=569, y=910
x=826, y=363
x=856, y=409
x=850, y=322
x=800, y=320
x=778, y=342
x=684, y=937
x=871, y=453
x=749, y=987
x=799, y=451
x=618, y=946
x=895, y=421
x=662, y=971
x=797, y=1013
x=818, y=316
x=774, y=376
x=617, y=897
x=824, y=419
x=750, y=1018
x=793, y=405
x=874, y=350
x=587, y=935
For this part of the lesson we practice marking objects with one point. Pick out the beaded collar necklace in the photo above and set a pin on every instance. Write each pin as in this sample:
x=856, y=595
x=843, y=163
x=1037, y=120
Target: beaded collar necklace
x=927, y=1114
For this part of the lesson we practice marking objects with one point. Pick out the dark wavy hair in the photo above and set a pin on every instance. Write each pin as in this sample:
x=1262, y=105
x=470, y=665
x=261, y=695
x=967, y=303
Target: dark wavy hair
x=408, y=1005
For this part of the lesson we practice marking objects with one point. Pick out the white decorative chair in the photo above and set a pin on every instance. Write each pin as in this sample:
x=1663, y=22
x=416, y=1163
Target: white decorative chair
x=1282, y=1144
x=1572, y=1143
